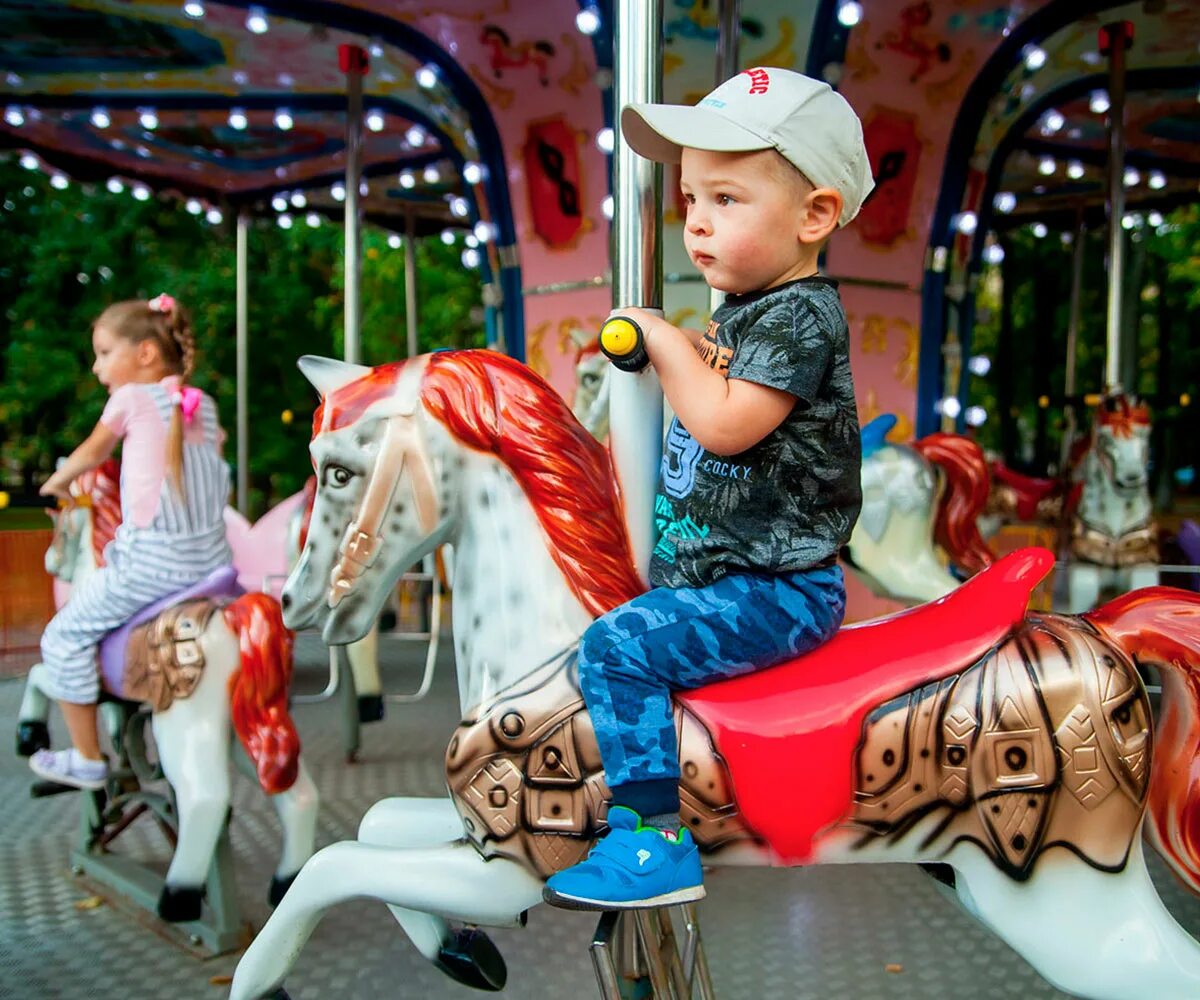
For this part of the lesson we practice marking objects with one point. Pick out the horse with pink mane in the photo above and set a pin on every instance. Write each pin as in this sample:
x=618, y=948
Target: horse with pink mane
x=1015, y=748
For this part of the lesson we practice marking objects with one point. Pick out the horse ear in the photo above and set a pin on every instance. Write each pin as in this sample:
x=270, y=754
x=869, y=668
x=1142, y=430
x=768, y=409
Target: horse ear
x=328, y=375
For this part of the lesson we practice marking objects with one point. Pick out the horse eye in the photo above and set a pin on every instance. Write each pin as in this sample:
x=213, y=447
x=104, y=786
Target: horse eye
x=338, y=475
x=590, y=380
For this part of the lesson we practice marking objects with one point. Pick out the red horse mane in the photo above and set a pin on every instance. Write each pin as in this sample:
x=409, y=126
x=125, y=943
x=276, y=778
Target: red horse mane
x=1123, y=415
x=497, y=405
x=102, y=487
x=967, y=484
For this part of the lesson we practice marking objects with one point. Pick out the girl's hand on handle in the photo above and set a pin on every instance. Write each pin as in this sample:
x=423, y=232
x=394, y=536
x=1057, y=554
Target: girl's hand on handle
x=56, y=486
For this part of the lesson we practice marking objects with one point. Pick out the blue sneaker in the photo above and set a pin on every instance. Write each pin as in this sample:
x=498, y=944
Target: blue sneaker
x=633, y=867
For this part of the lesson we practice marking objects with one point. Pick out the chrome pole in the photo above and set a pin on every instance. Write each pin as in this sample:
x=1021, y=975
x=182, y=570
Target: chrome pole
x=242, y=323
x=410, y=283
x=729, y=39
x=354, y=65
x=1115, y=38
x=635, y=404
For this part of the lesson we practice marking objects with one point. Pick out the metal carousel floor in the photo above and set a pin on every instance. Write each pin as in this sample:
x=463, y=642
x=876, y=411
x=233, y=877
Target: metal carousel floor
x=882, y=931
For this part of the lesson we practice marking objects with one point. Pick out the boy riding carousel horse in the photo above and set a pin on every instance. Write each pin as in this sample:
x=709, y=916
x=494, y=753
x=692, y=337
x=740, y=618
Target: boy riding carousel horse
x=759, y=487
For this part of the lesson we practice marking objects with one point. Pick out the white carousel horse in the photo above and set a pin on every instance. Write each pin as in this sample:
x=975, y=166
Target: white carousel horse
x=218, y=672
x=1114, y=541
x=917, y=498
x=1014, y=748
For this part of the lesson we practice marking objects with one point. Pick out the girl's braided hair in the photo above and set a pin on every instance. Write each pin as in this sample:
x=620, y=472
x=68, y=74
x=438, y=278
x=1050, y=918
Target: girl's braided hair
x=165, y=322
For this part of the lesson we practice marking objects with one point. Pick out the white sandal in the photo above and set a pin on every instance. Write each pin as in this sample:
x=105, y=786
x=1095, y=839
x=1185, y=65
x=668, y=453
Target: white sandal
x=67, y=767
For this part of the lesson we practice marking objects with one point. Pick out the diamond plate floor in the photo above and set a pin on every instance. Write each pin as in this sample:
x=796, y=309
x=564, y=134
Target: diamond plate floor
x=801, y=935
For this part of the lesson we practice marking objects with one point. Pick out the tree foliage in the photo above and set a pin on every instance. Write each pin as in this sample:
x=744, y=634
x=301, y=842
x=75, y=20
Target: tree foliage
x=67, y=254
x=1023, y=393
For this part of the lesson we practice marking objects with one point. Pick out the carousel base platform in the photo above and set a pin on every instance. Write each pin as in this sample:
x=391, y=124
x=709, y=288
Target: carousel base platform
x=862, y=932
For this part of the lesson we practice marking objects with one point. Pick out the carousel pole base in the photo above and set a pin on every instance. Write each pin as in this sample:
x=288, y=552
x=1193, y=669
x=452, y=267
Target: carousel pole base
x=217, y=929
x=636, y=955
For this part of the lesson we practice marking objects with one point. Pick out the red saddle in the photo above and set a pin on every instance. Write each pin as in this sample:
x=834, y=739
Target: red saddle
x=789, y=733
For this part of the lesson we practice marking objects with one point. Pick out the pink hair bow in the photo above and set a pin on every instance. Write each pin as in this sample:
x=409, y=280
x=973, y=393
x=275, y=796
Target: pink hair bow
x=162, y=303
x=188, y=399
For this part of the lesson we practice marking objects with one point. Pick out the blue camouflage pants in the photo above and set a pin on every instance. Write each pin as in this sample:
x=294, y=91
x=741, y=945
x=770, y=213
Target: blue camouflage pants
x=670, y=639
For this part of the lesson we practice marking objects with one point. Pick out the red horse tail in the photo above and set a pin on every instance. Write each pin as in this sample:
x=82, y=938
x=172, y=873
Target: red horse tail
x=258, y=690
x=967, y=484
x=1161, y=625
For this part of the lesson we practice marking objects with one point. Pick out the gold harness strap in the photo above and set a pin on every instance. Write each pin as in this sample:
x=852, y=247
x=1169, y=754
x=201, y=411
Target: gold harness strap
x=401, y=446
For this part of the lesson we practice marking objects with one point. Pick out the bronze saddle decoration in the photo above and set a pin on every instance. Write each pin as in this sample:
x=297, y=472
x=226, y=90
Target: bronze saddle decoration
x=1043, y=742
x=163, y=660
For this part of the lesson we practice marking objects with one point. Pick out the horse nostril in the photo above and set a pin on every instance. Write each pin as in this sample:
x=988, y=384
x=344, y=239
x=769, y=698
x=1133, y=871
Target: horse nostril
x=285, y=601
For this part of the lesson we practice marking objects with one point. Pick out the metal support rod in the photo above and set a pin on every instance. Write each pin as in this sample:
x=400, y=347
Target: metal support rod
x=410, y=284
x=635, y=404
x=1115, y=38
x=351, y=349
x=1073, y=341
x=729, y=38
x=242, y=323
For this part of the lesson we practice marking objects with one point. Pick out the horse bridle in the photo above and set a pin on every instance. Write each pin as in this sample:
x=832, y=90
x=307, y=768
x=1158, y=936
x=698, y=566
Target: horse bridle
x=400, y=446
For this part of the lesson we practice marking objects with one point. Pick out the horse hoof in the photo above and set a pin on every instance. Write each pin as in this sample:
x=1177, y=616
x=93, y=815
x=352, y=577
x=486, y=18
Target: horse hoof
x=279, y=888
x=469, y=957
x=32, y=737
x=178, y=906
x=370, y=707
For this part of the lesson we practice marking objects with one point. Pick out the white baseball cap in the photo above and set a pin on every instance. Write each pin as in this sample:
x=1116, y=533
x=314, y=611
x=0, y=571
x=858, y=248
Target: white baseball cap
x=808, y=122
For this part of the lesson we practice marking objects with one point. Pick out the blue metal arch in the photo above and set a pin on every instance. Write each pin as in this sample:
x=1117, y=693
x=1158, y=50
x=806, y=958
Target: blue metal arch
x=1136, y=79
x=1038, y=26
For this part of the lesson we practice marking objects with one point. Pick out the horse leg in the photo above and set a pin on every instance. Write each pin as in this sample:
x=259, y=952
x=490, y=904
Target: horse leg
x=33, y=732
x=467, y=954
x=297, y=811
x=1143, y=575
x=363, y=657
x=1083, y=587
x=193, y=738
x=450, y=879
x=1102, y=935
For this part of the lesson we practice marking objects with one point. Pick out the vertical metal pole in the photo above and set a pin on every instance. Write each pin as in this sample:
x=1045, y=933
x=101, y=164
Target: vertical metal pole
x=1072, y=343
x=354, y=65
x=242, y=313
x=635, y=404
x=1114, y=39
x=410, y=284
x=729, y=38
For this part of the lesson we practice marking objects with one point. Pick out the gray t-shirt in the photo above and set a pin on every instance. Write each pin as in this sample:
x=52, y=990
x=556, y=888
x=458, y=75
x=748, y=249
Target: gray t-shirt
x=789, y=502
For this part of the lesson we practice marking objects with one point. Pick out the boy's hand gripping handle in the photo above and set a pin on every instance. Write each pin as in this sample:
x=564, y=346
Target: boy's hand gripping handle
x=623, y=344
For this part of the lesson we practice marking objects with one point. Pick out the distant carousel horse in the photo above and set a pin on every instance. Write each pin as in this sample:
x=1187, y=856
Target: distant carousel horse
x=1015, y=748
x=204, y=667
x=917, y=496
x=1114, y=540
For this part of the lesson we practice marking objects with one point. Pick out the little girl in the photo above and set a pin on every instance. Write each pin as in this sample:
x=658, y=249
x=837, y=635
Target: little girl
x=174, y=487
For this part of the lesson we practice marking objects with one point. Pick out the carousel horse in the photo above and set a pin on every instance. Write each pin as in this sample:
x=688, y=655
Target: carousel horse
x=1013, y=747
x=1114, y=540
x=915, y=496
x=205, y=661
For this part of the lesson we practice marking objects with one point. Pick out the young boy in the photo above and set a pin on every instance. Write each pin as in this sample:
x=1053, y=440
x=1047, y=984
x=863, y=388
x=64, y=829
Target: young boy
x=759, y=484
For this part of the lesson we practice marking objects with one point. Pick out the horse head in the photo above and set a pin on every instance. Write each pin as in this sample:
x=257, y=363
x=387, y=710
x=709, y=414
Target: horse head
x=384, y=493
x=1122, y=442
x=70, y=520
x=85, y=523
